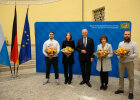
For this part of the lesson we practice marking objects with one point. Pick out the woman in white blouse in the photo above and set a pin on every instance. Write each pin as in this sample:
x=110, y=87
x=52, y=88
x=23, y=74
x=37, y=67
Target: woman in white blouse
x=104, y=63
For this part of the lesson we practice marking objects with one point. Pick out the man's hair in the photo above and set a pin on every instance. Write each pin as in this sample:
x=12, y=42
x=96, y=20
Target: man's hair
x=51, y=32
x=103, y=37
x=127, y=31
x=84, y=29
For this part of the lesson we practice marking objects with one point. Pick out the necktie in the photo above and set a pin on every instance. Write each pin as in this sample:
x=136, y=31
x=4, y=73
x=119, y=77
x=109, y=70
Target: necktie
x=84, y=42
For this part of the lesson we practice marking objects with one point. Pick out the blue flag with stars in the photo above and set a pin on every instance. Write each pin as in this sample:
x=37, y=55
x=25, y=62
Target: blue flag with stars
x=25, y=49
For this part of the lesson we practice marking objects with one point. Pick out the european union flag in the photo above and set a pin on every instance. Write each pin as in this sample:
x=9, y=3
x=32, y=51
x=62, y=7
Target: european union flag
x=25, y=49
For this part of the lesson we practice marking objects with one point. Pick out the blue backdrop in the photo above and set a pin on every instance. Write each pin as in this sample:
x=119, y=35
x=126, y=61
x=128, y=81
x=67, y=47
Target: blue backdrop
x=112, y=29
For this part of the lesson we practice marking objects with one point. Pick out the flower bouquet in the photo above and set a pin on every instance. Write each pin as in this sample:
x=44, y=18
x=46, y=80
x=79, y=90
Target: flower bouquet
x=68, y=50
x=101, y=53
x=50, y=51
x=122, y=52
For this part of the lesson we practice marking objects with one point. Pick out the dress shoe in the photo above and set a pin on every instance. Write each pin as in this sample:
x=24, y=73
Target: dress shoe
x=83, y=82
x=66, y=81
x=105, y=87
x=119, y=91
x=69, y=82
x=130, y=96
x=102, y=87
x=88, y=84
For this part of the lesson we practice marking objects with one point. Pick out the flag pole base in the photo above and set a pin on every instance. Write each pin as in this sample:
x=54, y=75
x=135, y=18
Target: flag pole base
x=14, y=76
x=17, y=75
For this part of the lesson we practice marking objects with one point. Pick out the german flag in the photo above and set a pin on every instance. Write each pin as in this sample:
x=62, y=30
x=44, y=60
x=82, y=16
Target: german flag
x=14, y=44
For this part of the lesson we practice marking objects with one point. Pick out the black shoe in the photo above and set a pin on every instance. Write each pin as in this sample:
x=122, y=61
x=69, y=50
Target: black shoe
x=130, y=96
x=83, y=82
x=119, y=91
x=88, y=84
x=69, y=82
x=105, y=87
x=102, y=87
x=66, y=81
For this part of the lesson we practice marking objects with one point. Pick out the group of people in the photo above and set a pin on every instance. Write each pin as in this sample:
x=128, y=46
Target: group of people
x=85, y=47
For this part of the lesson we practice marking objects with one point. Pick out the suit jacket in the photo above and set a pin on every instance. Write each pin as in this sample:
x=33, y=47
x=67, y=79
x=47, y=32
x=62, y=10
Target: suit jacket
x=89, y=48
x=71, y=58
x=106, y=63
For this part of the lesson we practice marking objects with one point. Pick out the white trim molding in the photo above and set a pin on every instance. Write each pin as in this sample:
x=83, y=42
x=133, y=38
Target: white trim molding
x=25, y=2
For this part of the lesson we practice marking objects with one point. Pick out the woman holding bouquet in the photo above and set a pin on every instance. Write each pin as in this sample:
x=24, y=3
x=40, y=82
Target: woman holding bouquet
x=104, y=62
x=68, y=58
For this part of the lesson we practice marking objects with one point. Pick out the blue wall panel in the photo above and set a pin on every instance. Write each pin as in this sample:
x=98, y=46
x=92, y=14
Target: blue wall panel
x=113, y=30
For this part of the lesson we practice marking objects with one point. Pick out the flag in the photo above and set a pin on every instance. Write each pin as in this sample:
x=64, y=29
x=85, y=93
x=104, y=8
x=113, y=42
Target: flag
x=25, y=49
x=14, y=44
x=4, y=57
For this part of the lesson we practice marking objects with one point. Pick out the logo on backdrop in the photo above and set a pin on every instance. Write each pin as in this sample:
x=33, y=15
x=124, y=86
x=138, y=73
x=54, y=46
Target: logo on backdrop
x=125, y=25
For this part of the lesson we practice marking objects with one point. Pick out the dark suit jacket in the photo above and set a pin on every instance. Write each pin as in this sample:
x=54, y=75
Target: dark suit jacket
x=89, y=48
x=69, y=60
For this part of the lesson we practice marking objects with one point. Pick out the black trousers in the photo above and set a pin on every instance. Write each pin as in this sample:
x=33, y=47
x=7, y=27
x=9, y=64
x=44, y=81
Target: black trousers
x=86, y=70
x=66, y=65
x=53, y=61
x=104, y=77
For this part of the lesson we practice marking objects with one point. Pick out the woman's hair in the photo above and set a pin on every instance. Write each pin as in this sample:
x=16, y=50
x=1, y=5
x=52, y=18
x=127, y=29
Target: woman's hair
x=70, y=37
x=103, y=37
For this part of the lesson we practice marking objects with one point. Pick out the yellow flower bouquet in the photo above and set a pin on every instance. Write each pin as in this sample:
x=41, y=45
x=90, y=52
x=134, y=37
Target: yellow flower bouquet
x=101, y=53
x=122, y=52
x=50, y=51
x=67, y=50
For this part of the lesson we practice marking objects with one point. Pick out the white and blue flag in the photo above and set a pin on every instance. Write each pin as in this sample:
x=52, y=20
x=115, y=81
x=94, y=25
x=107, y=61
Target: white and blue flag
x=4, y=57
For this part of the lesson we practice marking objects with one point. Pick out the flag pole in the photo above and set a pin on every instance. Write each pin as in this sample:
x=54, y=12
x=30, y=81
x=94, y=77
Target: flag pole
x=28, y=8
x=12, y=76
x=15, y=3
x=17, y=69
x=14, y=68
x=14, y=63
x=10, y=69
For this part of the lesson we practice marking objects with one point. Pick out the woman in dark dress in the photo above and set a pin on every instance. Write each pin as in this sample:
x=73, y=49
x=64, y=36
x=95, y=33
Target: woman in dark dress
x=68, y=59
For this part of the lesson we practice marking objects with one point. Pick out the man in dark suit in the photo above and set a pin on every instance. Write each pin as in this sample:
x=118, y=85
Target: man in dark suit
x=85, y=47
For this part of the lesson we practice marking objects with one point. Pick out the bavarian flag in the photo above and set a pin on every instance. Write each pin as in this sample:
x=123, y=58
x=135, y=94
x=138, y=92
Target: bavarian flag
x=4, y=57
x=14, y=44
x=25, y=49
